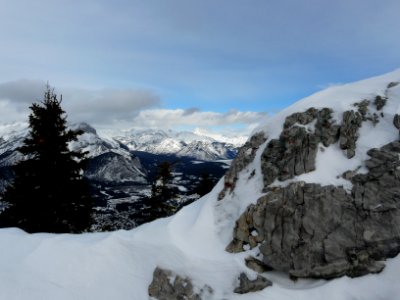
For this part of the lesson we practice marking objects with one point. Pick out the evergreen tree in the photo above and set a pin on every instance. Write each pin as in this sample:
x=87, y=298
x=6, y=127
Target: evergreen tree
x=48, y=193
x=205, y=185
x=162, y=192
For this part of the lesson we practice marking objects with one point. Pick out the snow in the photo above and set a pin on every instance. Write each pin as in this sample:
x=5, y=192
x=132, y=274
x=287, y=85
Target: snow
x=340, y=98
x=235, y=140
x=184, y=143
x=331, y=162
x=120, y=264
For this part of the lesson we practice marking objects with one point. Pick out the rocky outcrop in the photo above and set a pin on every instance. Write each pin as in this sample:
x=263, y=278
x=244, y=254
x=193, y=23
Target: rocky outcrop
x=380, y=101
x=244, y=157
x=295, y=151
x=247, y=286
x=349, y=131
x=169, y=286
x=309, y=230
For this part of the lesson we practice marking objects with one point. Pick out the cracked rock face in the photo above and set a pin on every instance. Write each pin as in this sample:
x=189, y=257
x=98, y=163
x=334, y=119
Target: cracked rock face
x=309, y=230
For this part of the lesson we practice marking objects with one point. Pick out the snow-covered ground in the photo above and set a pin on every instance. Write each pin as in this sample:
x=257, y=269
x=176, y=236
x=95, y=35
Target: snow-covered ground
x=119, y=265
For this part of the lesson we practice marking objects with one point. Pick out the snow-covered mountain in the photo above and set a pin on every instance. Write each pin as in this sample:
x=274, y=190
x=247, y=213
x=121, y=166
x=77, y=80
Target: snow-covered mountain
x=183, y=143
x=120, y=179
x=314, y=195
x=12, y=136
x=109, y=161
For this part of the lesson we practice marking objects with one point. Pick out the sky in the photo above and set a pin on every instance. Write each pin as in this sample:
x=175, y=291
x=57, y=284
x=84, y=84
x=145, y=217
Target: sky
x=219, y=65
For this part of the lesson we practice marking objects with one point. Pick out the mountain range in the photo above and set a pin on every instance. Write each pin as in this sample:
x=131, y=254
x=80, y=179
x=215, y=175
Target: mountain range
x=309, y=209
x=181, y=144
x=122, y=169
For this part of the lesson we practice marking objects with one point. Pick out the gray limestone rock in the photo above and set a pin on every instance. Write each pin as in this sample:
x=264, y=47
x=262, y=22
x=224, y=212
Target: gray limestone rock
x=301, y=118
x=380, y=101
x=392, y=84
x=169, y=286
x=244, y=157
x=349, y=131
x=246, y=285
x=295, y=151
x=363, y=108
x=309, y=230
x=256, y=265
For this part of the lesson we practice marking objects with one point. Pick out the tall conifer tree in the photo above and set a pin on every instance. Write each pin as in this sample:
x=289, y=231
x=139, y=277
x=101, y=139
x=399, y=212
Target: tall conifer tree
x=48, y=193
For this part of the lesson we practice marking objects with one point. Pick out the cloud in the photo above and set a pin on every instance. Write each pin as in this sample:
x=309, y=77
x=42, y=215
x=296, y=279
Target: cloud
x=101, y=106
x=259, y=54
x=118, y=109
x=181, y=119
x=191, y=111
x=22, y=91
x=108, y=105
x=16, y=97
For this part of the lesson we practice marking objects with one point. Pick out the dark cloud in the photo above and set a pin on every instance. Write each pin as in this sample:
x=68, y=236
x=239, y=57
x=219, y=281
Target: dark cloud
x=105, y=106
x=190, y=111
x=22, y=91
x=94, y=106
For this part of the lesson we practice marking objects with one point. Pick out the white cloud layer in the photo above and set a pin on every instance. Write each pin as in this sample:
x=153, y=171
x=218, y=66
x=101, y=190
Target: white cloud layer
x=172, y=118
x=93, y=106
x=112, y=109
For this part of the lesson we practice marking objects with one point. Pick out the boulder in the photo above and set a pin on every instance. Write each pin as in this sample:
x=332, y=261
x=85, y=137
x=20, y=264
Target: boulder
x=168, y=286
x=247, y=286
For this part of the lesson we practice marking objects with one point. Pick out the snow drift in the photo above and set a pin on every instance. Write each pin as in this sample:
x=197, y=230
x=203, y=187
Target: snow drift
x=192, y=244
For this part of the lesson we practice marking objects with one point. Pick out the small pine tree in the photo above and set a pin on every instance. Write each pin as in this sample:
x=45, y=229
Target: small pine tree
x=162, y=192
x=48, y=193
x=205, y=185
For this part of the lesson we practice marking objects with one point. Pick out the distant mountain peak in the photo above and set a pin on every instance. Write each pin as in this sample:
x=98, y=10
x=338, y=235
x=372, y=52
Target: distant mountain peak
x=181, y=143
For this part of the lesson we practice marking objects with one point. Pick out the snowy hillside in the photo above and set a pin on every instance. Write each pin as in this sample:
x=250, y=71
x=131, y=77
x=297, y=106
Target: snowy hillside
x=337, y=128
x=184, y=143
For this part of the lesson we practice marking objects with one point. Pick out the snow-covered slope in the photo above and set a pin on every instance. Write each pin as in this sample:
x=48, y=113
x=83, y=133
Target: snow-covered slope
x=120, y=265
x=182, y=143
x=12, y=136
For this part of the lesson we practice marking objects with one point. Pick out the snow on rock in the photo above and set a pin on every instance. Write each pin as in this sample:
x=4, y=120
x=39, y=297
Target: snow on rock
x=331, y=185
x=191, y=244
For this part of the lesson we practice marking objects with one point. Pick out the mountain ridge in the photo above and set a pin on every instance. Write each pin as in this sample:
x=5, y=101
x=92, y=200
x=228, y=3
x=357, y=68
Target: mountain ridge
x=181, y=143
